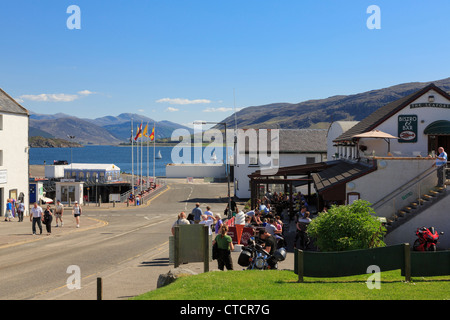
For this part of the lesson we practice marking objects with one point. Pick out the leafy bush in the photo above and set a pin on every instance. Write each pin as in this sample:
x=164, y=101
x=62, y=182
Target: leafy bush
x=348, y=227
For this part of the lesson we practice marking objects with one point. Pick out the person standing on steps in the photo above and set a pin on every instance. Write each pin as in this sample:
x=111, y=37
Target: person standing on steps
x=441, y=163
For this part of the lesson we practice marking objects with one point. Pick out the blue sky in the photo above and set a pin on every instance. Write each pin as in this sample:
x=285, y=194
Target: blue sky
x=181, y=60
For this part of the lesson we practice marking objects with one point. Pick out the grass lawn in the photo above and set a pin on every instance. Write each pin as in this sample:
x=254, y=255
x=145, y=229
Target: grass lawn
x=282, y=285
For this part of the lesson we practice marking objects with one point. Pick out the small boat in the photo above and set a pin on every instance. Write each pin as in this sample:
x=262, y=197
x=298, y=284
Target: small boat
x=159, y=156
x=214, y=157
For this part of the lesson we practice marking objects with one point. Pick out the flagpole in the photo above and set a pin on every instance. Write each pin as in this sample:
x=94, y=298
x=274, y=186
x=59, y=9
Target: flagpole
x=141, y=161
x=137, y=160
x=154, y=153
x=148, y=182
x=132, y=158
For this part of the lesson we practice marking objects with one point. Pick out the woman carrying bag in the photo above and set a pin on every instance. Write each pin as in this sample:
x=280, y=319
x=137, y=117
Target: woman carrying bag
x=47, y=219
x=225, y=245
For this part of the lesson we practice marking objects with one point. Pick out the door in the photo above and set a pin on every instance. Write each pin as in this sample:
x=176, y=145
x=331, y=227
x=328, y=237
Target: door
x=436, y=141
x=2, y=204
x=33, y=198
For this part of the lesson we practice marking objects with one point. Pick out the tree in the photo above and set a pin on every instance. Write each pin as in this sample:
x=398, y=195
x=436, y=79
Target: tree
x=348, y=227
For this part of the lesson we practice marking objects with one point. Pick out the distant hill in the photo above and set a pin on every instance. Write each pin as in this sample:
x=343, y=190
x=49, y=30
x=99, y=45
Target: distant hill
x=108, y=130
x=41, y=142
x=319, y=113
x=84, y=131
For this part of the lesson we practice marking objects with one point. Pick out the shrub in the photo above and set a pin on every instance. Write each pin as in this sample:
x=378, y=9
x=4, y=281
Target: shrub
x=348, y=227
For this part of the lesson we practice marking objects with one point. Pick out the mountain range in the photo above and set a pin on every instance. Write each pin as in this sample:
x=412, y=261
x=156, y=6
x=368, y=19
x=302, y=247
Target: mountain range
x=317, y=113
x=320, y=113
x=108, y=130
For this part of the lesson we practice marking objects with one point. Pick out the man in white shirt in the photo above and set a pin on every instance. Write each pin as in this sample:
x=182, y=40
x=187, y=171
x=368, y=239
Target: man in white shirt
x=441, y=163
x=207, y=221
x=36, y=217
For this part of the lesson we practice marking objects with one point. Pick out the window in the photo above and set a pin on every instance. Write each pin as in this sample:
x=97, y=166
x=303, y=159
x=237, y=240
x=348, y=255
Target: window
x=1, y=122
x=310, y=160
x=352, y=197
x=1, y=158
x=67, y=192
x=253, y=160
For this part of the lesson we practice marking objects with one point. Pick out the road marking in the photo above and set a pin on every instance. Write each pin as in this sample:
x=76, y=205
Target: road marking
x=39, y=238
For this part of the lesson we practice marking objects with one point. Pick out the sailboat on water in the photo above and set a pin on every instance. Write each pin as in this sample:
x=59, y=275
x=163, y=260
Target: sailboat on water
x=158, y=156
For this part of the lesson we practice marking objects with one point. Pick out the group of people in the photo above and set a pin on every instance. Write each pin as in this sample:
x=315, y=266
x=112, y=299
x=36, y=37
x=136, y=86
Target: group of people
x=215, y=224
x=14, y=207
x=38, y=216
x=197, y=216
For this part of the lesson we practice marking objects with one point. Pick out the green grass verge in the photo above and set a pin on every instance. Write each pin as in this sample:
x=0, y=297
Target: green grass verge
x=282, y=285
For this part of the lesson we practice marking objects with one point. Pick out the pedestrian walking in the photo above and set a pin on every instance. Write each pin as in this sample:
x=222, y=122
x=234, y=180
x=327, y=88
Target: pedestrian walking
x=47, y=219
x=76, y=213
x=36, y=217
x=8, y=214
x=225, y=245
x=20, y=211
x=197, y=213
x=59, y=210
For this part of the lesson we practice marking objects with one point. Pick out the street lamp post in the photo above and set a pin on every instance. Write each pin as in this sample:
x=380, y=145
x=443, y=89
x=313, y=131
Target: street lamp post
x=226, y=162
x=71, y=158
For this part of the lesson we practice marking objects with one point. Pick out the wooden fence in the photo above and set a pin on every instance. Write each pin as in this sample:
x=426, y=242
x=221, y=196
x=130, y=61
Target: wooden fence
x=356, y=262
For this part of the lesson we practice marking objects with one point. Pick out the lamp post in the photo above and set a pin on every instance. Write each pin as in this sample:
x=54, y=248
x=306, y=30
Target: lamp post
x=226, y=161
x=71, y=159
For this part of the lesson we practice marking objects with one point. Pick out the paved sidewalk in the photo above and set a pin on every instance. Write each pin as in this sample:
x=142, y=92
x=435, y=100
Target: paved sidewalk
x=16, y=233
x=138, y=276
x=129, y=279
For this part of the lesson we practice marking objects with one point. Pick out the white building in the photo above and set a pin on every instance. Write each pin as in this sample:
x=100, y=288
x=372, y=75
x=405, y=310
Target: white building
x=390, y=173
x=91, y=172
x=13, y=151
x=296, y=147
x=335, y=130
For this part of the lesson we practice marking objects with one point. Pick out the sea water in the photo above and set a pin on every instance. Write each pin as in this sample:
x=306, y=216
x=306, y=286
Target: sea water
x=117, y=155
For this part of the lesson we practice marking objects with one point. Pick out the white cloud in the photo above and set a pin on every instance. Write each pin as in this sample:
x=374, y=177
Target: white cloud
x=221, y=109
x=54, y=97
x=182, y=101
x=170, y=109
x=85, y=92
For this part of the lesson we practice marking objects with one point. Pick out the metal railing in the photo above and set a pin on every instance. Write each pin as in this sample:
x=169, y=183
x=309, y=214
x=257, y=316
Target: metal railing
x=416, y=182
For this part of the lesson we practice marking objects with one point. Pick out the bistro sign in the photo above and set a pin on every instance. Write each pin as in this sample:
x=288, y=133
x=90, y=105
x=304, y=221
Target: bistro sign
x=430, y=105
x=407, y=128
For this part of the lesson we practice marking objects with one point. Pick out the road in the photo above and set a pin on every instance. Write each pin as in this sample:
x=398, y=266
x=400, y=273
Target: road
x=121, y=247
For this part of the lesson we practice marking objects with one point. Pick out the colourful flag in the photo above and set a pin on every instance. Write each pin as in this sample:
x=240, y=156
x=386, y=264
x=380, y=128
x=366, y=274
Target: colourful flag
x=144, y=133
x=152, y=135
x=138, y=134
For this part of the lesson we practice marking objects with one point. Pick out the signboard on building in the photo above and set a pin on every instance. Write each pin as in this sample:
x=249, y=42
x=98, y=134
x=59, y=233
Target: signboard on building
x=430, y=105
x=3, y=176
x=407, y=128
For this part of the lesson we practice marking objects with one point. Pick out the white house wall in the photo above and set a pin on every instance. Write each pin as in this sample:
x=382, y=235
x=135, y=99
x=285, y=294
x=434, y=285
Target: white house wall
x=14, y=153
x=336, y=129
x=390, y=175
x=426, y=116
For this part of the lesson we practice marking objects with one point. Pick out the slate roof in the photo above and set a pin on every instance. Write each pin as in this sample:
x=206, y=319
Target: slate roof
x=9, y=105
x=385, y=112
x=341, y=172
x=299, y=141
